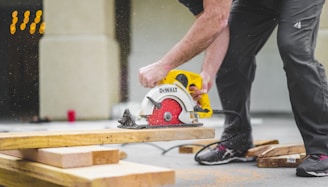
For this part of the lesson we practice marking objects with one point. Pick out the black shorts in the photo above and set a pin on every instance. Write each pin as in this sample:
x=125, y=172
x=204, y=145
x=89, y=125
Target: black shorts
x=195, y=6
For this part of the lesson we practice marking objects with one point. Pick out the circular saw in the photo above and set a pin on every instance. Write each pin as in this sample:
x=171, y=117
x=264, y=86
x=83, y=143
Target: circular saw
x=170, y=104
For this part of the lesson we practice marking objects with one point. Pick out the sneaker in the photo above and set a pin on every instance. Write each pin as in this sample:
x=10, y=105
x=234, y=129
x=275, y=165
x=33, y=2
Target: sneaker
x=313, y=166
x=223, y=155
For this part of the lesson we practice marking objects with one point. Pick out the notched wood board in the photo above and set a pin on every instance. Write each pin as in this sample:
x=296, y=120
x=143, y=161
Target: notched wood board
x=276, y=150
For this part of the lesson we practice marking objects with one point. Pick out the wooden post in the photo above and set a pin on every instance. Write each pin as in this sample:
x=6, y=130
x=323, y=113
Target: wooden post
x=79, y=59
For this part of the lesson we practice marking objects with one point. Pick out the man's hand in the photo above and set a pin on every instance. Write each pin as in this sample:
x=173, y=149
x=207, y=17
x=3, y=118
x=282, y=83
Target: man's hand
x=207, y=84
x=196, y=93
x=149, y=75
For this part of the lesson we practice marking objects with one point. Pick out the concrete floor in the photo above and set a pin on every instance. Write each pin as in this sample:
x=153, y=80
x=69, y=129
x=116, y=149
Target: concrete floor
x=188, y=172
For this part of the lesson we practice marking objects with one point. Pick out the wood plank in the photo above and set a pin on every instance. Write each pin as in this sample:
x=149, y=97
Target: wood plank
x=121, y=174
x=289, y=161
x=276, y=150
x=47, y=139
x=10, y=178
x=69, y=157
x=188, y=149
x=198, y=145
x=62, y=157
x=101, y=155
x=258, y=143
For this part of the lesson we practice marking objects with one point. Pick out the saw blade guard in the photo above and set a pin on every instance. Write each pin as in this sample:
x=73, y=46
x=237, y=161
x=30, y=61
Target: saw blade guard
x=174, y=91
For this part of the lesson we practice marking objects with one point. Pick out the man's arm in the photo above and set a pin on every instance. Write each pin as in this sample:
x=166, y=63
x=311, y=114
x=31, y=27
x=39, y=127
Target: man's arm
x=214, y=56
x=207, y=27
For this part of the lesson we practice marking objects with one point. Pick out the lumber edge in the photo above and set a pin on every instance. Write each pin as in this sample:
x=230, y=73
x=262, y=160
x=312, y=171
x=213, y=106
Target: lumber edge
x=46, y=139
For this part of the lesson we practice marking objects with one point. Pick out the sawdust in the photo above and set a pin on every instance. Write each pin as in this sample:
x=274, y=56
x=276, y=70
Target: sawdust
x=217, y=177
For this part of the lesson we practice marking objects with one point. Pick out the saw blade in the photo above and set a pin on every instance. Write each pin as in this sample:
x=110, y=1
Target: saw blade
x=167, y=114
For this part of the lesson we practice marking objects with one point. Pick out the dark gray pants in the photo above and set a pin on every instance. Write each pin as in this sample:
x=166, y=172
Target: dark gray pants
x=251, y=24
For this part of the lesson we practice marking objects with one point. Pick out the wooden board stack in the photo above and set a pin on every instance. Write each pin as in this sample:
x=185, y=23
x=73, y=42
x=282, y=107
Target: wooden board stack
x=272, y=156
x=55, y=159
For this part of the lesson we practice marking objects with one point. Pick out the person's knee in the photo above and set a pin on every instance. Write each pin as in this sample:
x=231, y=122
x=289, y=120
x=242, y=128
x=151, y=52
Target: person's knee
x=288, y=44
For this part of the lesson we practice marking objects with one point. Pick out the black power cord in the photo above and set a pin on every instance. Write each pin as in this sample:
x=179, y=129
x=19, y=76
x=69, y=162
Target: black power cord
x=225, y=112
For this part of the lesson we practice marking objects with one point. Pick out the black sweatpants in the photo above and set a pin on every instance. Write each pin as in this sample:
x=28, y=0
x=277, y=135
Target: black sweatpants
x=251, y=24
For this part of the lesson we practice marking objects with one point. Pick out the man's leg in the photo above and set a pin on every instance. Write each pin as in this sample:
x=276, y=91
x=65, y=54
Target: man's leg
x=306, y=78
x=251, y=24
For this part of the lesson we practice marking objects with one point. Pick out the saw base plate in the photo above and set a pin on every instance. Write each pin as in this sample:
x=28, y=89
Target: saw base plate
x=160, y=126
x=127, y=122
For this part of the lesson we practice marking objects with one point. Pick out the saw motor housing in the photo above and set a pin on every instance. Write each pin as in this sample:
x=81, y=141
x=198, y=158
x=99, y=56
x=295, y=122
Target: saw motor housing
x=170, y=102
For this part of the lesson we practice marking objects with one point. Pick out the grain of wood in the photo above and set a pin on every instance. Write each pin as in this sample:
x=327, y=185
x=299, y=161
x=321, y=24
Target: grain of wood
x=276, y=150
x=121, y=174
x=69, y=157
x=47, y=139
x=101, y=154
x=289, y=161
x=19, y=179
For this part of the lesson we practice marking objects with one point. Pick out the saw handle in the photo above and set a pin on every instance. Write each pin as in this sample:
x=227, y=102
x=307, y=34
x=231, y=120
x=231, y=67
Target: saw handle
x=204, y=110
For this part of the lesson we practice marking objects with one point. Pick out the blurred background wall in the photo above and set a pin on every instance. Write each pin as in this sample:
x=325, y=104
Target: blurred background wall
x=73, y=54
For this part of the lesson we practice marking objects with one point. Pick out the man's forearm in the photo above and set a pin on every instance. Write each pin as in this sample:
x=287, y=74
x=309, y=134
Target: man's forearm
x=200, y=36
x=215, y=54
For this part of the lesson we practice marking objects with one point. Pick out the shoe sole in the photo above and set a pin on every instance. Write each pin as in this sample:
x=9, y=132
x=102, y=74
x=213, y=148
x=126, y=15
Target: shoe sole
x=302, y=173
x=235, y=159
